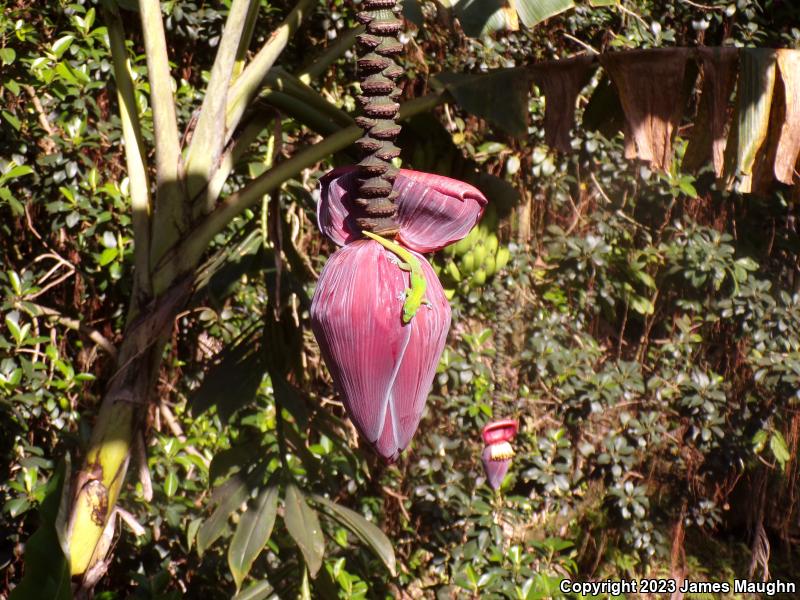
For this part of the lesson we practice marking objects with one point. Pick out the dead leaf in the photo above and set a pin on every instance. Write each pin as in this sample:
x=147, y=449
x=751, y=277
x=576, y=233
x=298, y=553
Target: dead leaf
x=788, y=148
x=561, y=81
x=651, y=89
x=603, y=112
x=751, y=124
x=709, y=133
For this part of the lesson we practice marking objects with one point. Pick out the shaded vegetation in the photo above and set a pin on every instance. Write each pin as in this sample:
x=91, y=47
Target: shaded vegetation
x=642, y=326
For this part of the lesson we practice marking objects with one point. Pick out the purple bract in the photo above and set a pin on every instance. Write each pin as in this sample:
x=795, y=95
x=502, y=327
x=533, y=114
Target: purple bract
x=383, y=369
x=497, y=454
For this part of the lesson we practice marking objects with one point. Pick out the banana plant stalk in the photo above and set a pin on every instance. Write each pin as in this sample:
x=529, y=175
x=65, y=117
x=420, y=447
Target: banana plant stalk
x=173, y=228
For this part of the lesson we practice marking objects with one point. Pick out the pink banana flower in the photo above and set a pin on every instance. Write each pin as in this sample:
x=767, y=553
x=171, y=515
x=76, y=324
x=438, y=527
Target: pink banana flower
x=382, y=368
x=497, y=454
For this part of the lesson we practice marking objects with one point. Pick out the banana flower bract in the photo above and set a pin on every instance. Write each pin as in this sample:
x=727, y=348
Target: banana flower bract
x=382, y=368
x=497, y=454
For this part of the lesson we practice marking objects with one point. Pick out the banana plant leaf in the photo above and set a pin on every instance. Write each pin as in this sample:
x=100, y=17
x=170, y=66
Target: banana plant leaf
x=651, y=88
x=788, y=149
x=709, y=134
x=746, y=142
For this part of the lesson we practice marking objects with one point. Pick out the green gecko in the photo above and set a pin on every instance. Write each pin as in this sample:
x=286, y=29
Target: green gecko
x=415, y=295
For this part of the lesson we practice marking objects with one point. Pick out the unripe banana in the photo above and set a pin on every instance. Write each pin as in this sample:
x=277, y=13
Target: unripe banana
x=467, y=263
x=491, y=244
x=502, y=257
x=480, y=254
x=453, y=272
x=460, y=247
x=473, y=236
x=478, y=278
x=490, y=264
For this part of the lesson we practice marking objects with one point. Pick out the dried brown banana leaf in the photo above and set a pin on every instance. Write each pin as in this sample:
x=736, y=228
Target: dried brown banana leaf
x=709, y=133
x=561, y=81
x=652, y=92
x=788, y=148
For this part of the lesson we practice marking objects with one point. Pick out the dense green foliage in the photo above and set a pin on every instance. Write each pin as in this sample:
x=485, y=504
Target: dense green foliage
x=645, y=331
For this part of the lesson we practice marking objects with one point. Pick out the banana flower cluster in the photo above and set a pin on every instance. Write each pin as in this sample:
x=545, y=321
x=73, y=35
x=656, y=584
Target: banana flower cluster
x=381, y=367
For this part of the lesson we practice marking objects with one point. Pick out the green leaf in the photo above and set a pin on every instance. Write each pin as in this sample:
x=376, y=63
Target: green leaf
x=46, y=568
x=16, y=506
x=759, y=440
x=13, y=121
x=13, y=87
x=747, y=263
x=305, y=587
x=65, y=72
x=61, y=45
x=16, y=284
x=231, y=495
x=7, y=55
x=500, y=96
x=303, y=525
x=191, y=531
x=12, y=322
x=642, y=305
x=367, y=532
x=88, y=21
x=687, y=188
x=107, y=256
x=257, y=591
x=533, y=12
x=252, y=533
x=171, y=484
x=18, y=171
x=779, y=448
x=482, y=17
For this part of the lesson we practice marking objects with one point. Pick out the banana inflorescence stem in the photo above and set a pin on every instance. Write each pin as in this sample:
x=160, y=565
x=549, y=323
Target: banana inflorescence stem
x=378, y=73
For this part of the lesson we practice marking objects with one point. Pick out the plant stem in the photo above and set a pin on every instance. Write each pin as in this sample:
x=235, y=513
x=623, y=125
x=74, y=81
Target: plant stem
x=209, y=136
x=378, y=100
x=320, y=64
x=246, y=86
x=134, y=152
x=169, y=206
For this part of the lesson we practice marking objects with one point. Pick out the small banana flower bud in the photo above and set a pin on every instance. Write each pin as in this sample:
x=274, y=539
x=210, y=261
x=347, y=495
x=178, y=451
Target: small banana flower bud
x=498, y=452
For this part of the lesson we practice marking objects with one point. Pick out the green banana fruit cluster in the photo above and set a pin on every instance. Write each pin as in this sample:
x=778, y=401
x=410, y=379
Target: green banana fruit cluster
x=476, y=258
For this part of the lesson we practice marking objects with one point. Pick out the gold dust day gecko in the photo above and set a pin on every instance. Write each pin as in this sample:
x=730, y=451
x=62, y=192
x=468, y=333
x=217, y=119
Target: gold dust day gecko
x=415, y=295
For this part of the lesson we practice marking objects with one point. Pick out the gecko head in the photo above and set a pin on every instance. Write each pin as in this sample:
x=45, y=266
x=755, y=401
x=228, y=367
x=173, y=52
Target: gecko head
x=408, y=314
